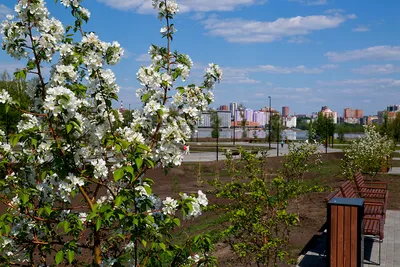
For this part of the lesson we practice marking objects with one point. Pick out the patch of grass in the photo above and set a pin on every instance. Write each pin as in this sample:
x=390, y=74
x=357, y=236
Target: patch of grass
x=212, y=225
x=327, y=168
x=395, y=163
x=396, y=155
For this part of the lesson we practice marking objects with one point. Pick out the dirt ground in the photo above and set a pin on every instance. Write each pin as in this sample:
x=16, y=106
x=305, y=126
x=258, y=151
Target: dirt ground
x=313, y=217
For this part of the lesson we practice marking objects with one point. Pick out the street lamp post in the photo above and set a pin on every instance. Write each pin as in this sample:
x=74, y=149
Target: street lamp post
x=326, y=139
x=234, y=125
x=269, y=126
x=277, y=139
x=217, y=147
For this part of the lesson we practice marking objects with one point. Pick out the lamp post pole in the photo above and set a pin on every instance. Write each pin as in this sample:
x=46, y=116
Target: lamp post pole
x=277, y=138
x=234, y=125
x=269, y=126
x=326, y=139
x=217, y=143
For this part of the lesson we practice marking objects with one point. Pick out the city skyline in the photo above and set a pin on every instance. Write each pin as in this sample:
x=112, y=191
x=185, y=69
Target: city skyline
x=303, y=53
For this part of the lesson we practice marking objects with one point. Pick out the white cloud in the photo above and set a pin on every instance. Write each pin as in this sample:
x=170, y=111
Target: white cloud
x=4, y=11
x=381, y=83
x=377, y=69
x=143, y=58
x=298, y=40
x=361, y=28
x=330, y=66
x=268, y=83
x=251, y=31
x=334, y=11
x=384, y=52
x=237, y=76
x=289, y=70
x=311, y=2
x=145, y=6
x=303, y=90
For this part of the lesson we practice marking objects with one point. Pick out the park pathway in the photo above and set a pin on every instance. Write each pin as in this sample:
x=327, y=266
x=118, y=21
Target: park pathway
x=212, y=156
x=395, y=170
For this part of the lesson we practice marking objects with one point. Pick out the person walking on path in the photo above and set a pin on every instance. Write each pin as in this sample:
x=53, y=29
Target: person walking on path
x=282, y=143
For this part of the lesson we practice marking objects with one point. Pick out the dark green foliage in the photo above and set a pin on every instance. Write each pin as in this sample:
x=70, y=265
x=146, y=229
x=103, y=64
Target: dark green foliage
x=9, y=117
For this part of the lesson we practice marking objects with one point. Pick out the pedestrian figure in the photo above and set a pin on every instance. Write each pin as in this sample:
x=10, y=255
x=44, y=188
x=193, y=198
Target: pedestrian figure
x=184, y=149
x=187, y=150
x=282, y=143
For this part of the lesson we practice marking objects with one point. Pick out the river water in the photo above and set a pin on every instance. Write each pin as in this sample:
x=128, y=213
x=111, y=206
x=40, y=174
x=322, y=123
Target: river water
x=259, y=133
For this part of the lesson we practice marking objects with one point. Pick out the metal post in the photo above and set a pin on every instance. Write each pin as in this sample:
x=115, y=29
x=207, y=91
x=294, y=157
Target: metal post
x=234, y=125
x=326, y=139
x=277, y=139
x=217, y=143
x=269, y=126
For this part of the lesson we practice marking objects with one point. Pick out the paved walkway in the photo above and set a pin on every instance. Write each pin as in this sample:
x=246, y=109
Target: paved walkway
x=390, y=248
x=395, y=170
x=212, y=156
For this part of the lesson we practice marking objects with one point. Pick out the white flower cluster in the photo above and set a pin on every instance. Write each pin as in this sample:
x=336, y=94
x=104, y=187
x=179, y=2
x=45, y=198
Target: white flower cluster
x=171, y=6
x=367, y=153
x=197, y=204
x=27, y=122
x=5, y=97
x=61, y=99
x=100, y=169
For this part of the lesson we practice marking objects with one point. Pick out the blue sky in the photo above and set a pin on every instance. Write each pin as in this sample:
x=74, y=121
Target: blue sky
x=303, y=53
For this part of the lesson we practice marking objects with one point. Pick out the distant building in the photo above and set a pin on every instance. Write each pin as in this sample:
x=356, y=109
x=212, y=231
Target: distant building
x=393, y=108
x=261, y=118
x=223, y=107
x=329, y=113
x=225, y=117
x=352, y=116
x=233, y=108
x=289, y=121
x=285, y=111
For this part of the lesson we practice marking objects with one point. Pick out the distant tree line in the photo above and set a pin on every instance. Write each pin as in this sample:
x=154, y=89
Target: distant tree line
x=17, y=88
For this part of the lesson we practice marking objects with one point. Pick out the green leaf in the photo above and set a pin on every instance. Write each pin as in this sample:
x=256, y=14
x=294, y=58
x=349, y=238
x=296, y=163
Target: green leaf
x=24, y=198
x=70, y=256
x=139, y=162
x=177, y=222
x=144, y=242
x=69, y=128
x=59, y=257
x=118, y=201
x=162, y=246
x=98, y=224
x=48, y=210
x=118, y=174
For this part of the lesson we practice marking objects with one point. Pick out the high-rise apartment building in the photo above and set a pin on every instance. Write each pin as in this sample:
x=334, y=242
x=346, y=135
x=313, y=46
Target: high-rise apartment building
x=285, y=111
x=329, y=113
x=223, y=107
x=393, y=108
x=352, y=115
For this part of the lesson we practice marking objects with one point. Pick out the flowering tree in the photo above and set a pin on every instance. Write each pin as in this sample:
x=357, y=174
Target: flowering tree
x=73, y=177
x=367, y=154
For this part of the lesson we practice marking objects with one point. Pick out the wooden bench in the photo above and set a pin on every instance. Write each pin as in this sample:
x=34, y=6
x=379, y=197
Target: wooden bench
x=374, y=210
x=371, y=207
x=371, y=190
